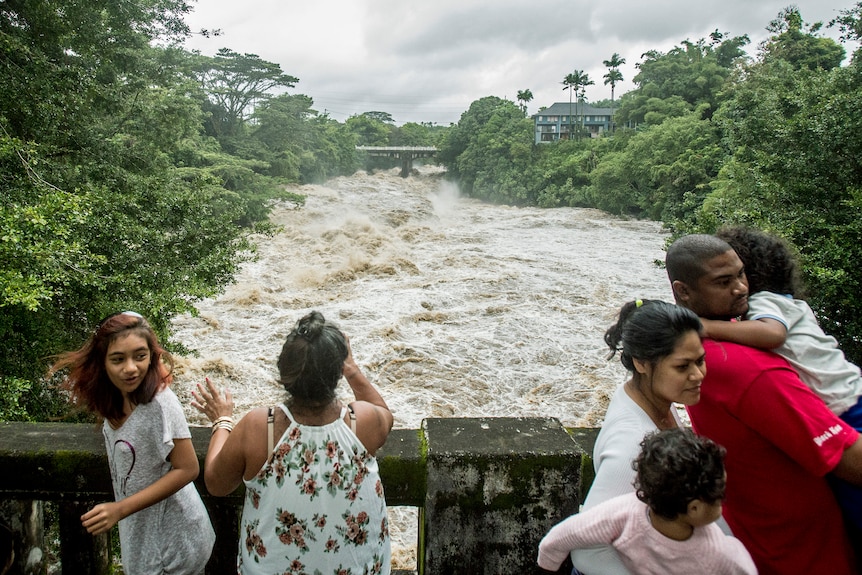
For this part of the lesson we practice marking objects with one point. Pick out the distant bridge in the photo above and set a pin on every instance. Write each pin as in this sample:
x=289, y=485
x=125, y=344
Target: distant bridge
x=406, y=153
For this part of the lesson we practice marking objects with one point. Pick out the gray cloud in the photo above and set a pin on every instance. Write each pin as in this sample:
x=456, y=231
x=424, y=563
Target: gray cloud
x=515, y=25
x=427, y=61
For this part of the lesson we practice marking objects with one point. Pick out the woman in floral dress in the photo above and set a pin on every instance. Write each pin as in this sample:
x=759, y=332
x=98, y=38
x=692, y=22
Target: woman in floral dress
x=314, y=502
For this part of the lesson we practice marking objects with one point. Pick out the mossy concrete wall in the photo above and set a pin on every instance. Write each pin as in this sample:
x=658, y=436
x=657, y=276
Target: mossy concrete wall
x=487, y=489
x=494, y=488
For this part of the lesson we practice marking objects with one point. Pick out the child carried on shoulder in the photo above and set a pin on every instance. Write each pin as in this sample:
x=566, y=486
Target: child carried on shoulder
x=667, y=526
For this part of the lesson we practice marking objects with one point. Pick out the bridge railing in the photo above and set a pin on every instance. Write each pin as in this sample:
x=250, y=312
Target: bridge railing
x=405, y=153
x=487, y=490
x=398, y=149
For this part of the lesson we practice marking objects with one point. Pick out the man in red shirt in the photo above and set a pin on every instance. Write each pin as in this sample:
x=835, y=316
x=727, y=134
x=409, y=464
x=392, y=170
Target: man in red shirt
x=781, y=439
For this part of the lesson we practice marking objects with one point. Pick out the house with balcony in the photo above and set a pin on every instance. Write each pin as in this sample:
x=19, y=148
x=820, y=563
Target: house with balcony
x=561, y=120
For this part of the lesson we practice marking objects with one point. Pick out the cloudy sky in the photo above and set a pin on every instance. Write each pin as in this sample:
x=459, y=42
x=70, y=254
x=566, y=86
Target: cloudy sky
x=428, y=60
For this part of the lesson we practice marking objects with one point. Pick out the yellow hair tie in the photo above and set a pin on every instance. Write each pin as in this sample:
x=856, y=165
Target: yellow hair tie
x=639, y=302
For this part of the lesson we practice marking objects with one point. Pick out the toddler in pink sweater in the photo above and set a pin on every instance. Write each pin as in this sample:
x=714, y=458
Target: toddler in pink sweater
x=667, y=525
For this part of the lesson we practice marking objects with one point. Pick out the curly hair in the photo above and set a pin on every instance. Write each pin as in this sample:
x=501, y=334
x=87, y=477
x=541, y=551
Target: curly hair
x=88, y=381
x=675, y=467
x=649, y=330
x=770, y=262
x=312, y=359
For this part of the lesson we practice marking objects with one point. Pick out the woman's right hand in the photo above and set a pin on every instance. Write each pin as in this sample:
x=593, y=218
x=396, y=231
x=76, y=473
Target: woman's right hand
x=374, y=420
x=350, y=369
x=211, y=403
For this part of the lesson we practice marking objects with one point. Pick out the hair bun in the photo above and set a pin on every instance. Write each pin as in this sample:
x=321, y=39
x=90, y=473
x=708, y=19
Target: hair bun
x=310, y=326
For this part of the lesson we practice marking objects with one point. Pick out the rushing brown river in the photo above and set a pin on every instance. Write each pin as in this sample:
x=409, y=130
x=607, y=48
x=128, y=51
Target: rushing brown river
x=454, y=308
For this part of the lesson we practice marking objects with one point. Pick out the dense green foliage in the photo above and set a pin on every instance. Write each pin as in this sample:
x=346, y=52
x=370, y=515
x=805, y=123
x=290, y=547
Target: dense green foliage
x=300, y=145
x=714, y=137
x=95, y=214
x=490, y=151
x=800, y=175
x=132, y=172
x=234, y=83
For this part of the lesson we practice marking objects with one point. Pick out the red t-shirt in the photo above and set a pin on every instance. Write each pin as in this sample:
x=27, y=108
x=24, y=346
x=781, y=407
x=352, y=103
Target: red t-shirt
x=781, y=440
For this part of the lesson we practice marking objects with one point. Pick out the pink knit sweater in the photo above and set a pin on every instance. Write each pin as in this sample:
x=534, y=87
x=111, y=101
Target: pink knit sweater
x=622, y=522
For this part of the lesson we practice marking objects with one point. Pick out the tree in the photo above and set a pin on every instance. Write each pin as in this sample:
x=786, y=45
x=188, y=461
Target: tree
x=38, y=248
x=636, y=109
x=561, y=173
x=331, y=151
x=614, y=75
x=662, y=173
x=797, y=42
x=299, y=143
x=585, y=81
x=795, y=171
x=411, y=134
x=366, y=130
x=235, y=84
x=696, y=72
x=369, y=131
x=849, y=23
x=524, y=96
x=384, y=117
x=490, y=152
x=282, y=125
x=573, y=82
x=282, y=121
x=103, y=205
x=570, y=82
x=614, y=62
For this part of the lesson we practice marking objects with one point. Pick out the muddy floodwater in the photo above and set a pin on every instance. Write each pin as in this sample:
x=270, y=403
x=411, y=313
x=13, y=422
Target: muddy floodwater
x=454, y=308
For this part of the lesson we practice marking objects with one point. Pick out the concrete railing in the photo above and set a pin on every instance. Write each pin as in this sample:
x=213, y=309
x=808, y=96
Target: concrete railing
x=487, y=489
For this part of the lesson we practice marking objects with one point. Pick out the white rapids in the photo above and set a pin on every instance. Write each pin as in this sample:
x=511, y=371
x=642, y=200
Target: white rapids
x=454, y=308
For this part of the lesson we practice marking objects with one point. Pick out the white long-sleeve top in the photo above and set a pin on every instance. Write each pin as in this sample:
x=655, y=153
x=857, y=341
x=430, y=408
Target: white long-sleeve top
x=617, y=445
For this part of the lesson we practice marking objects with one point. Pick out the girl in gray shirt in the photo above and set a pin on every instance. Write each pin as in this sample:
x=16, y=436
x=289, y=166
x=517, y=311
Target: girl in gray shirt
x=119, y=374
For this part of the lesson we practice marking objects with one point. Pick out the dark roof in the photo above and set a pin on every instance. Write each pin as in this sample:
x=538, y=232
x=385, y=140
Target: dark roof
x=562, y=109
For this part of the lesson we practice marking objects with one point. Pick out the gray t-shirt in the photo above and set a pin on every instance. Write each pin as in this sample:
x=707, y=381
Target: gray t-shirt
x=174, y=535
x=814, y=354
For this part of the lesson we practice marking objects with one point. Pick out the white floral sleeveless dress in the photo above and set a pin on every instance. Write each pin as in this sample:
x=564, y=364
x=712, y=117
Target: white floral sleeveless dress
x=316, y=507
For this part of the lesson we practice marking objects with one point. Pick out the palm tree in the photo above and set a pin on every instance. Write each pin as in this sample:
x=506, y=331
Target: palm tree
x=524, y=96
x=613, y=76
x=615, y=62
x=571, y=83
x=585, y=81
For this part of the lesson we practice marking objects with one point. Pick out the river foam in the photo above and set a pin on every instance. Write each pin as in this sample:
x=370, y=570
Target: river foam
x=454, y=308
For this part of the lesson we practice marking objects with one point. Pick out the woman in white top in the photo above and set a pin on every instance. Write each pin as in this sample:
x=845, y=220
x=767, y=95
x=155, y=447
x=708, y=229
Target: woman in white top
x=659, y=343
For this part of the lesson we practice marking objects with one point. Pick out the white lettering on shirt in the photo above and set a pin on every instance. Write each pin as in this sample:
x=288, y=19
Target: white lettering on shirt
x=831, y=432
